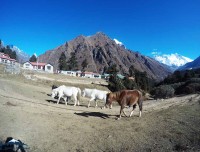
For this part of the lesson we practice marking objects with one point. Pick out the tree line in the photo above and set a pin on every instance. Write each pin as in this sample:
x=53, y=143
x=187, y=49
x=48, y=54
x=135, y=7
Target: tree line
x=133, y=80
x=9, y=51
x=71, y=64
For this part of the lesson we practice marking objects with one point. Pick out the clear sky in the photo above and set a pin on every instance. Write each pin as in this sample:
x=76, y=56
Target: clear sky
x=167, y=26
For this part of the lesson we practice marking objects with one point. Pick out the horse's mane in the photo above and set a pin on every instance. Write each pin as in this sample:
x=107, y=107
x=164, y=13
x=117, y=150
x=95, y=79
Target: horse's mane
x=116, y=94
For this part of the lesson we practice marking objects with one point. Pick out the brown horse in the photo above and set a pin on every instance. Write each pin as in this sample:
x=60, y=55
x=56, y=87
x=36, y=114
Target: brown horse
x=125, y=98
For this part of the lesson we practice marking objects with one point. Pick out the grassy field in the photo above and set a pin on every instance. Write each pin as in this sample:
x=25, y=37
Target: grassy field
x=29, y=114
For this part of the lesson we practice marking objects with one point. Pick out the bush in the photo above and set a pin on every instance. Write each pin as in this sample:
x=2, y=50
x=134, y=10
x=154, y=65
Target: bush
x=163, y=91
x=177, y=85
x=188, y=88
x=129, y=84
x=115, y=83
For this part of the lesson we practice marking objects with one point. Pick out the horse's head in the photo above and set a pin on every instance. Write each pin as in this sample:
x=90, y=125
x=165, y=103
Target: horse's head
x=53, y=87
x=54, y=93
x=109, y=99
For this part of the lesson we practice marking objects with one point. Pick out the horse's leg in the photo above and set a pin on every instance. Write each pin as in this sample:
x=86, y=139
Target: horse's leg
x=96, y=103
x=58, y=99
x=90, y=101
x=65, y=98
x=124, y=112
x=120, y=114
x=134, y=106
x=140, y=107
x=75, y=100
x=78, y=102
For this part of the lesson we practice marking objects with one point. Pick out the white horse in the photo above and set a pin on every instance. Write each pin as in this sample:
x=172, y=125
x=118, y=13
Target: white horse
x=94, y=94
x=65, y=91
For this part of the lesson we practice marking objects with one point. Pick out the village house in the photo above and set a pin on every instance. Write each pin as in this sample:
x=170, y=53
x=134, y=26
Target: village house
x=5, y=59
x=81, y=74
x=46, y=67
x=90, y=75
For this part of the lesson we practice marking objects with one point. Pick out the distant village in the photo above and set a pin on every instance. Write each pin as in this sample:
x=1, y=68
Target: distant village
x=48, y=68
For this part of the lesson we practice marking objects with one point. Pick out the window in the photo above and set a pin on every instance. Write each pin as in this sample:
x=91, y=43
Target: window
x=48, y=67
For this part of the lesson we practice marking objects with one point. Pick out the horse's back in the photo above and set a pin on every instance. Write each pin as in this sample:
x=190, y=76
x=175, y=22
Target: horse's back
x=95, y=93
x=89, y=92
x=69, y=91
x=100, y=94
x=130, y=96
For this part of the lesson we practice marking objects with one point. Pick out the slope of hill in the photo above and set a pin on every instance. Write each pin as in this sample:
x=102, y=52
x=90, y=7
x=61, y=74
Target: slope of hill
x=191, y=65
x=101, y=51
x=21, y=55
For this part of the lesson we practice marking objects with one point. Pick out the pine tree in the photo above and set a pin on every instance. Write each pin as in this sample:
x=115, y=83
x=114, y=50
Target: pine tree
x=84, y=64
x=132, y=71
x=33, y=58
x=112, y=69
x=13, y=55
x=72, y=62
x=62, y=62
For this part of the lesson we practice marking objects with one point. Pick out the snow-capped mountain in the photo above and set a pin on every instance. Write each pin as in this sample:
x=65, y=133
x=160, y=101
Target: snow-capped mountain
x=191, y=65
x=118, y=42
x=21, y=55
x=172, y=60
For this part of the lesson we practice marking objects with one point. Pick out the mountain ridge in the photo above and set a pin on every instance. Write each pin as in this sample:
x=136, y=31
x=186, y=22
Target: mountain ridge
x=102, y=51
x=174, y=60
x=191, y=65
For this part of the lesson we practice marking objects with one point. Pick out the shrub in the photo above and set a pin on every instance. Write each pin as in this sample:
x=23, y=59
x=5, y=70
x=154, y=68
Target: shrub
x=115, y=83
x=129, y=84
x=177, y=85
x=163, y=91
x=188, y=88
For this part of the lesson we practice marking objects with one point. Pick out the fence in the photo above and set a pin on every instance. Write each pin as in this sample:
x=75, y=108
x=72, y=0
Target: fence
x=12, y=69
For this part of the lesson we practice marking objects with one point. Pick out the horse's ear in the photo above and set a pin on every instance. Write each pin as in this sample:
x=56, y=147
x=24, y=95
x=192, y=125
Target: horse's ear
x=108, y=93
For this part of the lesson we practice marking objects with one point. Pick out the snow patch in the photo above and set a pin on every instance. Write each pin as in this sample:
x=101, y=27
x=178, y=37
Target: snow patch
x=171, y=59
x=118, y=42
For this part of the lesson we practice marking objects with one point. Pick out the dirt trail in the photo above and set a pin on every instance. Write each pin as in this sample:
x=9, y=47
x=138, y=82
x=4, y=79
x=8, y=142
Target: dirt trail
x=29, y=114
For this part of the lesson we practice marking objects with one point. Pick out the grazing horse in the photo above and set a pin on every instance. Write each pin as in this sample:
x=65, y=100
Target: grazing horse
x=53, y=87
x=65, y=91
x=94, y=94
x=125, y=98
x=65, y=98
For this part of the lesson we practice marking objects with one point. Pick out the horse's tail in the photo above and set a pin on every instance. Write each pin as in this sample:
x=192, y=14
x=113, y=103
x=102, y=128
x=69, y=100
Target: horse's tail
x=79, y=94
x=140, y=101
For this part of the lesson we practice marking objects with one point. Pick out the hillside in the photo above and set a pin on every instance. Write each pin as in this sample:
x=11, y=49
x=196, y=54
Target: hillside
x=191, y=65
x=101, y=51
x=29, y=114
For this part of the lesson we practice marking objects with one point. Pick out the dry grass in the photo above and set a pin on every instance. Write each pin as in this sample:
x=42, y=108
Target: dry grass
x=29, y=114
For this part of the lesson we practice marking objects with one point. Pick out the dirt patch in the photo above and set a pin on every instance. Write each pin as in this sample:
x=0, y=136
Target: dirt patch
x=10, y=104
x=27, y=114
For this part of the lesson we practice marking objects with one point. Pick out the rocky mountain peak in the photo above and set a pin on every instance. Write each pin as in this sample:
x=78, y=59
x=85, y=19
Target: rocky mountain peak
x=102, y=52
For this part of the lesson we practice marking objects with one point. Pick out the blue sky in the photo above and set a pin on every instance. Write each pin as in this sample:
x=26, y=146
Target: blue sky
x=167, y=26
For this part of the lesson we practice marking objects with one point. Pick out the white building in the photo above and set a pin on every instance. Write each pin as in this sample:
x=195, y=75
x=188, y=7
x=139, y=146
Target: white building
x=81, y=74
x=5, y=59
x=90, y=75
x=38, y=66
x=71, y=73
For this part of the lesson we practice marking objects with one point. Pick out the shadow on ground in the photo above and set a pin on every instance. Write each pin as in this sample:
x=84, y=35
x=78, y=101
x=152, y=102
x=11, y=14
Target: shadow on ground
x=93, y=114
